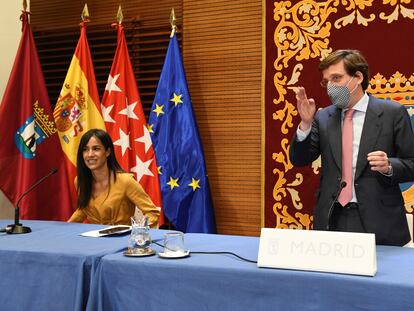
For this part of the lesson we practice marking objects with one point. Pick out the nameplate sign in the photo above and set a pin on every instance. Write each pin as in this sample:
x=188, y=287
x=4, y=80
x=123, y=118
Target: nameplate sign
x=311, y=250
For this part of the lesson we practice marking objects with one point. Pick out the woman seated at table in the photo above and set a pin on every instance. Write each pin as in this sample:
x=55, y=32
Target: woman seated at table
x=106, y=194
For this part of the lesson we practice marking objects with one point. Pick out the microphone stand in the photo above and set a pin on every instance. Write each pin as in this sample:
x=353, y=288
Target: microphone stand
x=341, y=186
x=17, y=227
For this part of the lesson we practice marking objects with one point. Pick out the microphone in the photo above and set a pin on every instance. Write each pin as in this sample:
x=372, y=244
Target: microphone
x=17, y=227
x=341, y=186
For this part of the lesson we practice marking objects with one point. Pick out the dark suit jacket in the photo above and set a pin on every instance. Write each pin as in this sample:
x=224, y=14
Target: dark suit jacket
x=387, y=128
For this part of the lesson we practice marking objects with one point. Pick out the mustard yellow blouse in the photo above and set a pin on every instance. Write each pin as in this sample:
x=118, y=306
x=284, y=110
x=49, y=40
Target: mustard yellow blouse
x=117, y=206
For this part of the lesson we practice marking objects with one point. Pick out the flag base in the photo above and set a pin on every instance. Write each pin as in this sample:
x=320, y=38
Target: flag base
x=17, y=229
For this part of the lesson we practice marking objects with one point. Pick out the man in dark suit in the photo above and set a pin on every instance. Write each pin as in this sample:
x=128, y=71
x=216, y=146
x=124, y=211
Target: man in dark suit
x=364, y=141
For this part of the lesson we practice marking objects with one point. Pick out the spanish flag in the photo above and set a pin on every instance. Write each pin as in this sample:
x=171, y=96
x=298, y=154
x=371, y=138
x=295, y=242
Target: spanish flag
x=77, y=109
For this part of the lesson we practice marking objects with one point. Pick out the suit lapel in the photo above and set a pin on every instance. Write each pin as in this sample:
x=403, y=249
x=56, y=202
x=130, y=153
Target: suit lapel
x=335, y=136
x=370, y=133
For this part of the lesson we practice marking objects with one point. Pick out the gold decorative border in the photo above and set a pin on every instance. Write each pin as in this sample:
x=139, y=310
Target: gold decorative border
x=263, y=122
x=302, y=33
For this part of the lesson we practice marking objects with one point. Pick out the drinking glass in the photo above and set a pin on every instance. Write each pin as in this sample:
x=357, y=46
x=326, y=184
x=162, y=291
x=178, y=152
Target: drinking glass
x=139, y=240
x=174, y=243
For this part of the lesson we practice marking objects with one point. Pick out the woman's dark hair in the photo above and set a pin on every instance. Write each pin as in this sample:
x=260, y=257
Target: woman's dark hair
x=84, y=173
x=353, y=61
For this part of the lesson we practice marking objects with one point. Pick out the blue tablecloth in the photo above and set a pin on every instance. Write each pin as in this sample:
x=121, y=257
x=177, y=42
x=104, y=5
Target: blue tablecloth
x=52, y=267
x=222, y=282
x=55, y=268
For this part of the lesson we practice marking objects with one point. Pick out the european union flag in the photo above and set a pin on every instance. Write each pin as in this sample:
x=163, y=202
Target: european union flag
x=185, y=190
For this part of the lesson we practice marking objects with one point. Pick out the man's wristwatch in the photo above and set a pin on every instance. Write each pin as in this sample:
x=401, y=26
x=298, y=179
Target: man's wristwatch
x=389, y=172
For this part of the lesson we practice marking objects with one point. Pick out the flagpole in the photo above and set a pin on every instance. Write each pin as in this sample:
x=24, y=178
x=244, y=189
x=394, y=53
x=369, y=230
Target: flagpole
x=17, y=227
x=119, y=15
x=173, y=23
x=85, y=13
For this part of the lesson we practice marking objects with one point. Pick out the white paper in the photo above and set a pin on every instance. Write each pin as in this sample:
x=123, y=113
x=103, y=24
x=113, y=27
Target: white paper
x=98, y=233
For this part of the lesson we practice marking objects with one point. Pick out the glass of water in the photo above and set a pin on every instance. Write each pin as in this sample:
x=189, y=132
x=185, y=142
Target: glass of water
x=139, y=240
x=174, y=243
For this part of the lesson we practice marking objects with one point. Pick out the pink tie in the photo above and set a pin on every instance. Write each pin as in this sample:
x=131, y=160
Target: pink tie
x=347, y=137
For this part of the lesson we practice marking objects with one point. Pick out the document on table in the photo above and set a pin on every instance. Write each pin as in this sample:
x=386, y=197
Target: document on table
x=107, y=231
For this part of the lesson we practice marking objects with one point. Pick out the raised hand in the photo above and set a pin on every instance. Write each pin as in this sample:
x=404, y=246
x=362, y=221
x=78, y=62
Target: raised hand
x=306, y=108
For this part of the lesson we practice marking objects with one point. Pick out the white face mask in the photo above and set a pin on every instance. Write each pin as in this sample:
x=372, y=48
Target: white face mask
x=340, y=94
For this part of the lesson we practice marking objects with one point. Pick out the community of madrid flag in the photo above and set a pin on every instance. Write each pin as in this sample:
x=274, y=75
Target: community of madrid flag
x=29, y=144
x=185, y=190
x=77, y=109
x=125, y=122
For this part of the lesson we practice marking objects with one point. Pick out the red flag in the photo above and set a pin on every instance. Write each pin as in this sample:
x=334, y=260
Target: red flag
x=77, y=109
x=125, y=122
x=29, y=144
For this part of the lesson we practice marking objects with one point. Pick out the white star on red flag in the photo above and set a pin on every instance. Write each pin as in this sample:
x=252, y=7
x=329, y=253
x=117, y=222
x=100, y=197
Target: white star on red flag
x=142, y=168
x=111, y=84
x=146, y=139
x=105, y=113
x=123, y=141
x=129, y=110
